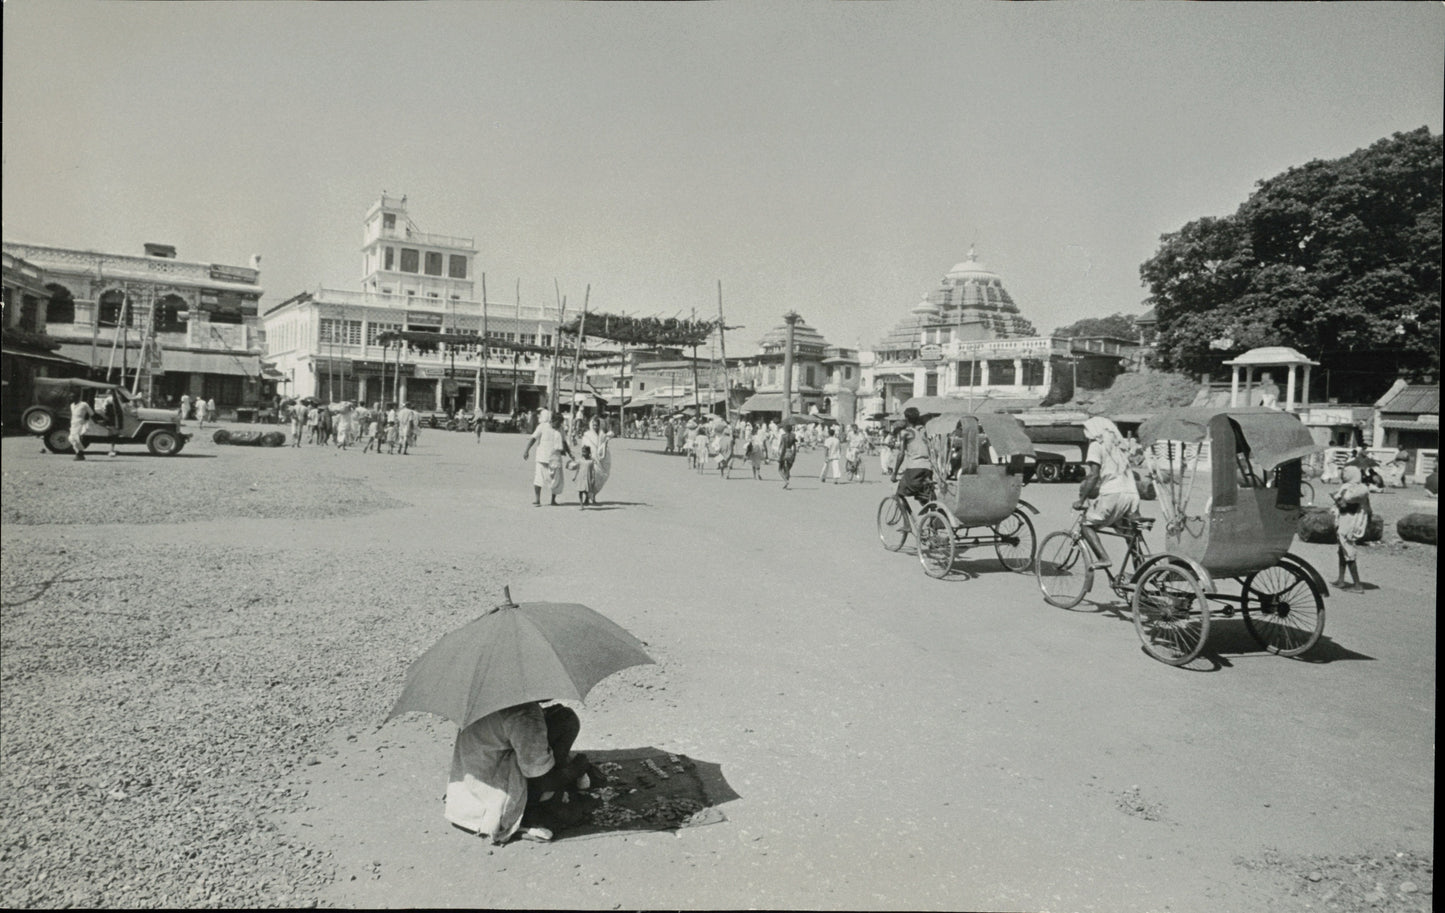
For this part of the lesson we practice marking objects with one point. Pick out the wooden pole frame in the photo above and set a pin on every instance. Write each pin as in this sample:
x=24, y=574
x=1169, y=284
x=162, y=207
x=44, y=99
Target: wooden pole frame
x=556, y=347
x=482, y=358
x=723, y=346
x=577, y=357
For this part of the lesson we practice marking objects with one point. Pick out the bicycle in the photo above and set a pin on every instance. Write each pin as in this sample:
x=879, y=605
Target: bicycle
x=897, y=520
x=1065, y=566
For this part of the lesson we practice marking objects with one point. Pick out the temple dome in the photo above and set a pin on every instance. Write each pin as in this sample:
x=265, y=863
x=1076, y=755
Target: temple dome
x=804, y=337
x=971, y=295
x=971, y=269
x=925, y=308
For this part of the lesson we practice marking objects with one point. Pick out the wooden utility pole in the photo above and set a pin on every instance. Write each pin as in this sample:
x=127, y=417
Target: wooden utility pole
x=516, y=385
x=481, y=385
x=556, y=347
x=577, y=358
x=723, y=346
x=696, y=402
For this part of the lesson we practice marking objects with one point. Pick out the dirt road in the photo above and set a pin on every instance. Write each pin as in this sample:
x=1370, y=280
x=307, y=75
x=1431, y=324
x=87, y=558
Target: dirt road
x=896, y=742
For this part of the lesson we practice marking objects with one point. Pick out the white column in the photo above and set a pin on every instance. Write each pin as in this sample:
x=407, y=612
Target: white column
x=1018, y=372
x=1289, y=390
x=983, y=372
x=1305, y=393
x=1048, y=373
x=1233, y=386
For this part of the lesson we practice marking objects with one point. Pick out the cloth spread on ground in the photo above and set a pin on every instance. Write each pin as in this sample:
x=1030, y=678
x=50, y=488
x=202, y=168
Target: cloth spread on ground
x=646, y=789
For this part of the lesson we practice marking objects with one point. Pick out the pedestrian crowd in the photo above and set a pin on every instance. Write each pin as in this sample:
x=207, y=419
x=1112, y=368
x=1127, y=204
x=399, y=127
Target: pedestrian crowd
x=346, y=425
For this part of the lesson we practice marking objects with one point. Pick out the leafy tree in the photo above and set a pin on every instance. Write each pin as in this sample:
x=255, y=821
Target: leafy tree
x=1339, y=259
x=1114, y=325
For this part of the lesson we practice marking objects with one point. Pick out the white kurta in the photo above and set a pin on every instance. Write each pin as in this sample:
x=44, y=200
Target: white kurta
x=493, y=757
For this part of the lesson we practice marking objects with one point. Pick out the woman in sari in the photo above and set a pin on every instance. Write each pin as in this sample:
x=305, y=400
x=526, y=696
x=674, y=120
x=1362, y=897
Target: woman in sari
x=596, y=438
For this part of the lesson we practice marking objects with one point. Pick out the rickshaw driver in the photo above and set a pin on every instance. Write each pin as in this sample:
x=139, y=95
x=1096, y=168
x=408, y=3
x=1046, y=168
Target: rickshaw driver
x=1108, y=495
x=912, y=459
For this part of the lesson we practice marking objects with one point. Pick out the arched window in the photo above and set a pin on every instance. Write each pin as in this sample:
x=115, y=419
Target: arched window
x=61, y=306
x=112, y=308
x=168, y=314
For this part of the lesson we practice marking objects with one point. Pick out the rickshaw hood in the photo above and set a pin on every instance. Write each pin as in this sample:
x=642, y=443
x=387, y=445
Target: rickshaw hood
x=1273, y=437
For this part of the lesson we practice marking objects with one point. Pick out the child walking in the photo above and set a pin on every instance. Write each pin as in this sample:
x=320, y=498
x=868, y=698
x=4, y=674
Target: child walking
x=1352, y=519
x=582, y=474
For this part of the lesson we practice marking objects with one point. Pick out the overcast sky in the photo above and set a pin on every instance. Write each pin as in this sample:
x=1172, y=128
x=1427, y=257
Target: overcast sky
x=835, y=158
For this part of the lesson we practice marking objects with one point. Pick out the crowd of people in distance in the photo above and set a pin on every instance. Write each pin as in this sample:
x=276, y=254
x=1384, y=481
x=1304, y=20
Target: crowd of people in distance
x=346, y=425
x=711, y=443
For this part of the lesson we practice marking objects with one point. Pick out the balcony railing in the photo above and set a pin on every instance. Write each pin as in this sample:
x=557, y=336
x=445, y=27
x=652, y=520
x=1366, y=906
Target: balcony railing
x=410, y=235
x=447, y=306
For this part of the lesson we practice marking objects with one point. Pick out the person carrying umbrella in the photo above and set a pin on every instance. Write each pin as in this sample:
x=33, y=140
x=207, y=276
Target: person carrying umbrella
x=512, y=768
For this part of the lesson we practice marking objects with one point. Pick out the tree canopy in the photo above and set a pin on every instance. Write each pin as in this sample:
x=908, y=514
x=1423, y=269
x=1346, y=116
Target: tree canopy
x=1117, y=325
x=1339, y=259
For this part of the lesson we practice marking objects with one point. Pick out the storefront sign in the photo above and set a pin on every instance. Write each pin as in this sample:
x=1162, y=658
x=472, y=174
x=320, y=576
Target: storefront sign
x=423, y=317
x=931, y=353
x=234, y=274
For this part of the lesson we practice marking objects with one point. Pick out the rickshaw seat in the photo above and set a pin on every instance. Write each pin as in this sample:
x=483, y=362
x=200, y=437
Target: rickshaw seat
x=984, y=497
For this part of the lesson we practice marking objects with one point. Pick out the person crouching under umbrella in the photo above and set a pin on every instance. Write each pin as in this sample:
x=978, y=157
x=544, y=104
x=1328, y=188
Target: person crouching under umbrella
x=511, y=770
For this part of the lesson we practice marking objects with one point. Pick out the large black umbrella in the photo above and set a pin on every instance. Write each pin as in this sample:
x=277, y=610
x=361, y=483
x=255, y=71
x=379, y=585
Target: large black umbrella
x=513, y=654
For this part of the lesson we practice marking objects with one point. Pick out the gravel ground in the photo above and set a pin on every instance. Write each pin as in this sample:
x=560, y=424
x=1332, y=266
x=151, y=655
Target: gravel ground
x=167, y=690
x=148, y=716
x=150, y=490
x=144, y=733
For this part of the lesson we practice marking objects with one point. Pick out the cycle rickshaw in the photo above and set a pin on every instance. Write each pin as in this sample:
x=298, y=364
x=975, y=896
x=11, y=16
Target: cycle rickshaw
x=974, y=502
x=1228, y=483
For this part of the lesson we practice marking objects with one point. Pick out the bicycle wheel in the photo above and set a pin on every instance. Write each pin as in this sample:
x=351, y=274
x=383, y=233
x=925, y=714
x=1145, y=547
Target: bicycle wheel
x=936, y=545
x=895, y=522
x=1282, y=610
x=1016, y=541
x=1171, y=614
x=1062, y=569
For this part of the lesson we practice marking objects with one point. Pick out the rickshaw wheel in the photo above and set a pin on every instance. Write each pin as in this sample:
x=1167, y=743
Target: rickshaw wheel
x=1062, y=569
x=1171, y=614
x=1016, y=541
x=894, y=522
x=1282, y=610
x=936, y=545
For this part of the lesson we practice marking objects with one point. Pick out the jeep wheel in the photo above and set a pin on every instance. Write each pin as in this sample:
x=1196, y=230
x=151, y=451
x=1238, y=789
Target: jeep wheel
x=38, y=420
x=57, y=440
x=163, y=443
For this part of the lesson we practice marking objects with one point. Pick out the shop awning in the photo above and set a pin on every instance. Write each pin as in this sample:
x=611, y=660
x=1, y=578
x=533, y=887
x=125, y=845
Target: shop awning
x=769, y=402
x=41, y=356
x=938, y=405
x=1400, y=424
x=211, y=363
x=172, y=360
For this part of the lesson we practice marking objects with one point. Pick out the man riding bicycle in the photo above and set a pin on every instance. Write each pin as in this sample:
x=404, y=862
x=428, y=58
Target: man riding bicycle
x=1108, y=495
x=912, y=459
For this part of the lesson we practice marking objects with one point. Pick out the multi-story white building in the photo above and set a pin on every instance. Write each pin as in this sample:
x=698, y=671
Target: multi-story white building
x=325, y=341
x=201, y=316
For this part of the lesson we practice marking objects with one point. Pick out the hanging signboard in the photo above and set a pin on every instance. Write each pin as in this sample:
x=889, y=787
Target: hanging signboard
x=931, y=353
